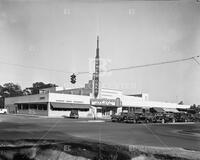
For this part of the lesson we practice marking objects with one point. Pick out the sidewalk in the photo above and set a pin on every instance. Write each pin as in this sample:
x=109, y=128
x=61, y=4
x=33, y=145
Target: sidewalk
x=27, y=115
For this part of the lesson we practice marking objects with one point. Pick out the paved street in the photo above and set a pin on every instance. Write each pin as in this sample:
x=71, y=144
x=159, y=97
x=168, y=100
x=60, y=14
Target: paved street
x=164, y=135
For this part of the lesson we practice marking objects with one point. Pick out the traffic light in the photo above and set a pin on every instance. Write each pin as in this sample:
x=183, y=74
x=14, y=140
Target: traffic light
x=73, y=78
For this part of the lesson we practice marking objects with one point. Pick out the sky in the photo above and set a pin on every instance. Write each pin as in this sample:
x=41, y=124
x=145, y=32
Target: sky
x=47, y=41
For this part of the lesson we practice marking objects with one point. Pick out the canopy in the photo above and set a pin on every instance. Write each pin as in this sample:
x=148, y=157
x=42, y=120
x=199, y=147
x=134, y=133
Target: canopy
x=174, y=110
x=70, y=105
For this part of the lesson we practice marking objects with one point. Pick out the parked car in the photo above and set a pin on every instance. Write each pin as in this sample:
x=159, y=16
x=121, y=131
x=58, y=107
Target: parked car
x=149, y=117
x=181, y=117
x=3, y=111
x=196, y=117
x=138, y=118
x=119, y=117
x=144, y=118
x=74, y=114
x=158, y=118
x=131, y=118
x=169, y=117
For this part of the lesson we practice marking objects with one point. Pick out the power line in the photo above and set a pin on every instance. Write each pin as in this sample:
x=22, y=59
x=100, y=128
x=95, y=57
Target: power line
x=33, y=67
x=150, y=65
x=154, y=64
x=113, y=69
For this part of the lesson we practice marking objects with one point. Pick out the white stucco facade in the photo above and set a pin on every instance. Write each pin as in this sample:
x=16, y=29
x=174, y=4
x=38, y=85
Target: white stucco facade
x=60, y=104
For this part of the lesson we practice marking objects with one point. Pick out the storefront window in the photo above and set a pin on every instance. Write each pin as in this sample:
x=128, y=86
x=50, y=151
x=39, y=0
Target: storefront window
x=25, y=106
x=19, y=106
x=44, y=107
x=33, y=106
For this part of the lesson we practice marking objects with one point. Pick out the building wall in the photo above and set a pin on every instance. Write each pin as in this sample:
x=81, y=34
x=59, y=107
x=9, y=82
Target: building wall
x=82, y=114
x=109, y=93
x=144, y=96
x=127, y=101
x=51, y=89
x=10, y=103
x=48, y=97
x=68, y=98
x=33, y=112
x=76, y=91
x=86, y=90
x=133, y=102
x=11, y=108
x=27, y=99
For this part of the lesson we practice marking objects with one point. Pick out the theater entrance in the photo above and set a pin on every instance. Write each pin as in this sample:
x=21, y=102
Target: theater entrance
x=106, y=107
x=108, y=111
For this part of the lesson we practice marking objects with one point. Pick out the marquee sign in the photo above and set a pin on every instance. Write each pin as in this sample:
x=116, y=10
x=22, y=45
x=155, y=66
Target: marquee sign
x=105, y=102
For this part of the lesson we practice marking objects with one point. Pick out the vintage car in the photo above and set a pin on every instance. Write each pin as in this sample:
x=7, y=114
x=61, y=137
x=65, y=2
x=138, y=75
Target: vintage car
x=3, y=111
x=130, y=118
x=119, y=117
x=138, y=118
x=181, y=117
x=74, y=114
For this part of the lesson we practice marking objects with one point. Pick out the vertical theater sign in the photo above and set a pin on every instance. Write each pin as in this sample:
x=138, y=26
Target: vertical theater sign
x=96, y=74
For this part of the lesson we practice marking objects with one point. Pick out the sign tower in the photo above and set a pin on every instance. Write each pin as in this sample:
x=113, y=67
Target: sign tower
x=96, y=74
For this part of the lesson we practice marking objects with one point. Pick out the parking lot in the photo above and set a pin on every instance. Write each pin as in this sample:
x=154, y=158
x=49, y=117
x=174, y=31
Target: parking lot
x=185, y=135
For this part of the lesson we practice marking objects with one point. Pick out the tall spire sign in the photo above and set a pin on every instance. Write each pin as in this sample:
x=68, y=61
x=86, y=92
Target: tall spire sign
x=96, y=74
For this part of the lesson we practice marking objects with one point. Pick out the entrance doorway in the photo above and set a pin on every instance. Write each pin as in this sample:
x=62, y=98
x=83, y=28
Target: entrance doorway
x=108, y=111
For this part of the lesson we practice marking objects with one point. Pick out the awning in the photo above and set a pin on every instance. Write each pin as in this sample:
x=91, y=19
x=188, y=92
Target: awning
x=70, y=105
x=31, y=103
x=174, y=110
x=158, y=109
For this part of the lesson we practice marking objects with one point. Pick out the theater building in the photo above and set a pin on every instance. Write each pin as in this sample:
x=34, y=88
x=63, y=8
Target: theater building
x=59, y=102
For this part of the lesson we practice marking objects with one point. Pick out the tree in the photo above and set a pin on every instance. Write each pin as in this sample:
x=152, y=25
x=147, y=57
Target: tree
x=11, y=90
x=1, y=97
x=181, y=103
x=26, y=92
x=195, y=108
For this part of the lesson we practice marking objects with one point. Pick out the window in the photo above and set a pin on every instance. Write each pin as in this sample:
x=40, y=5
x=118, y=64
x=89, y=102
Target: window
x=39, y=107
x=33, y=106
x=42, y=107
x=19, y=106
x=25, y=106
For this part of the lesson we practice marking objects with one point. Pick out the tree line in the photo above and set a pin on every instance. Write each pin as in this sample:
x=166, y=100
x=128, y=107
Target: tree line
x=13, y=90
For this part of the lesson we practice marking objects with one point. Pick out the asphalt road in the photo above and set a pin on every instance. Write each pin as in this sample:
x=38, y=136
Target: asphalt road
x=164, y=135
